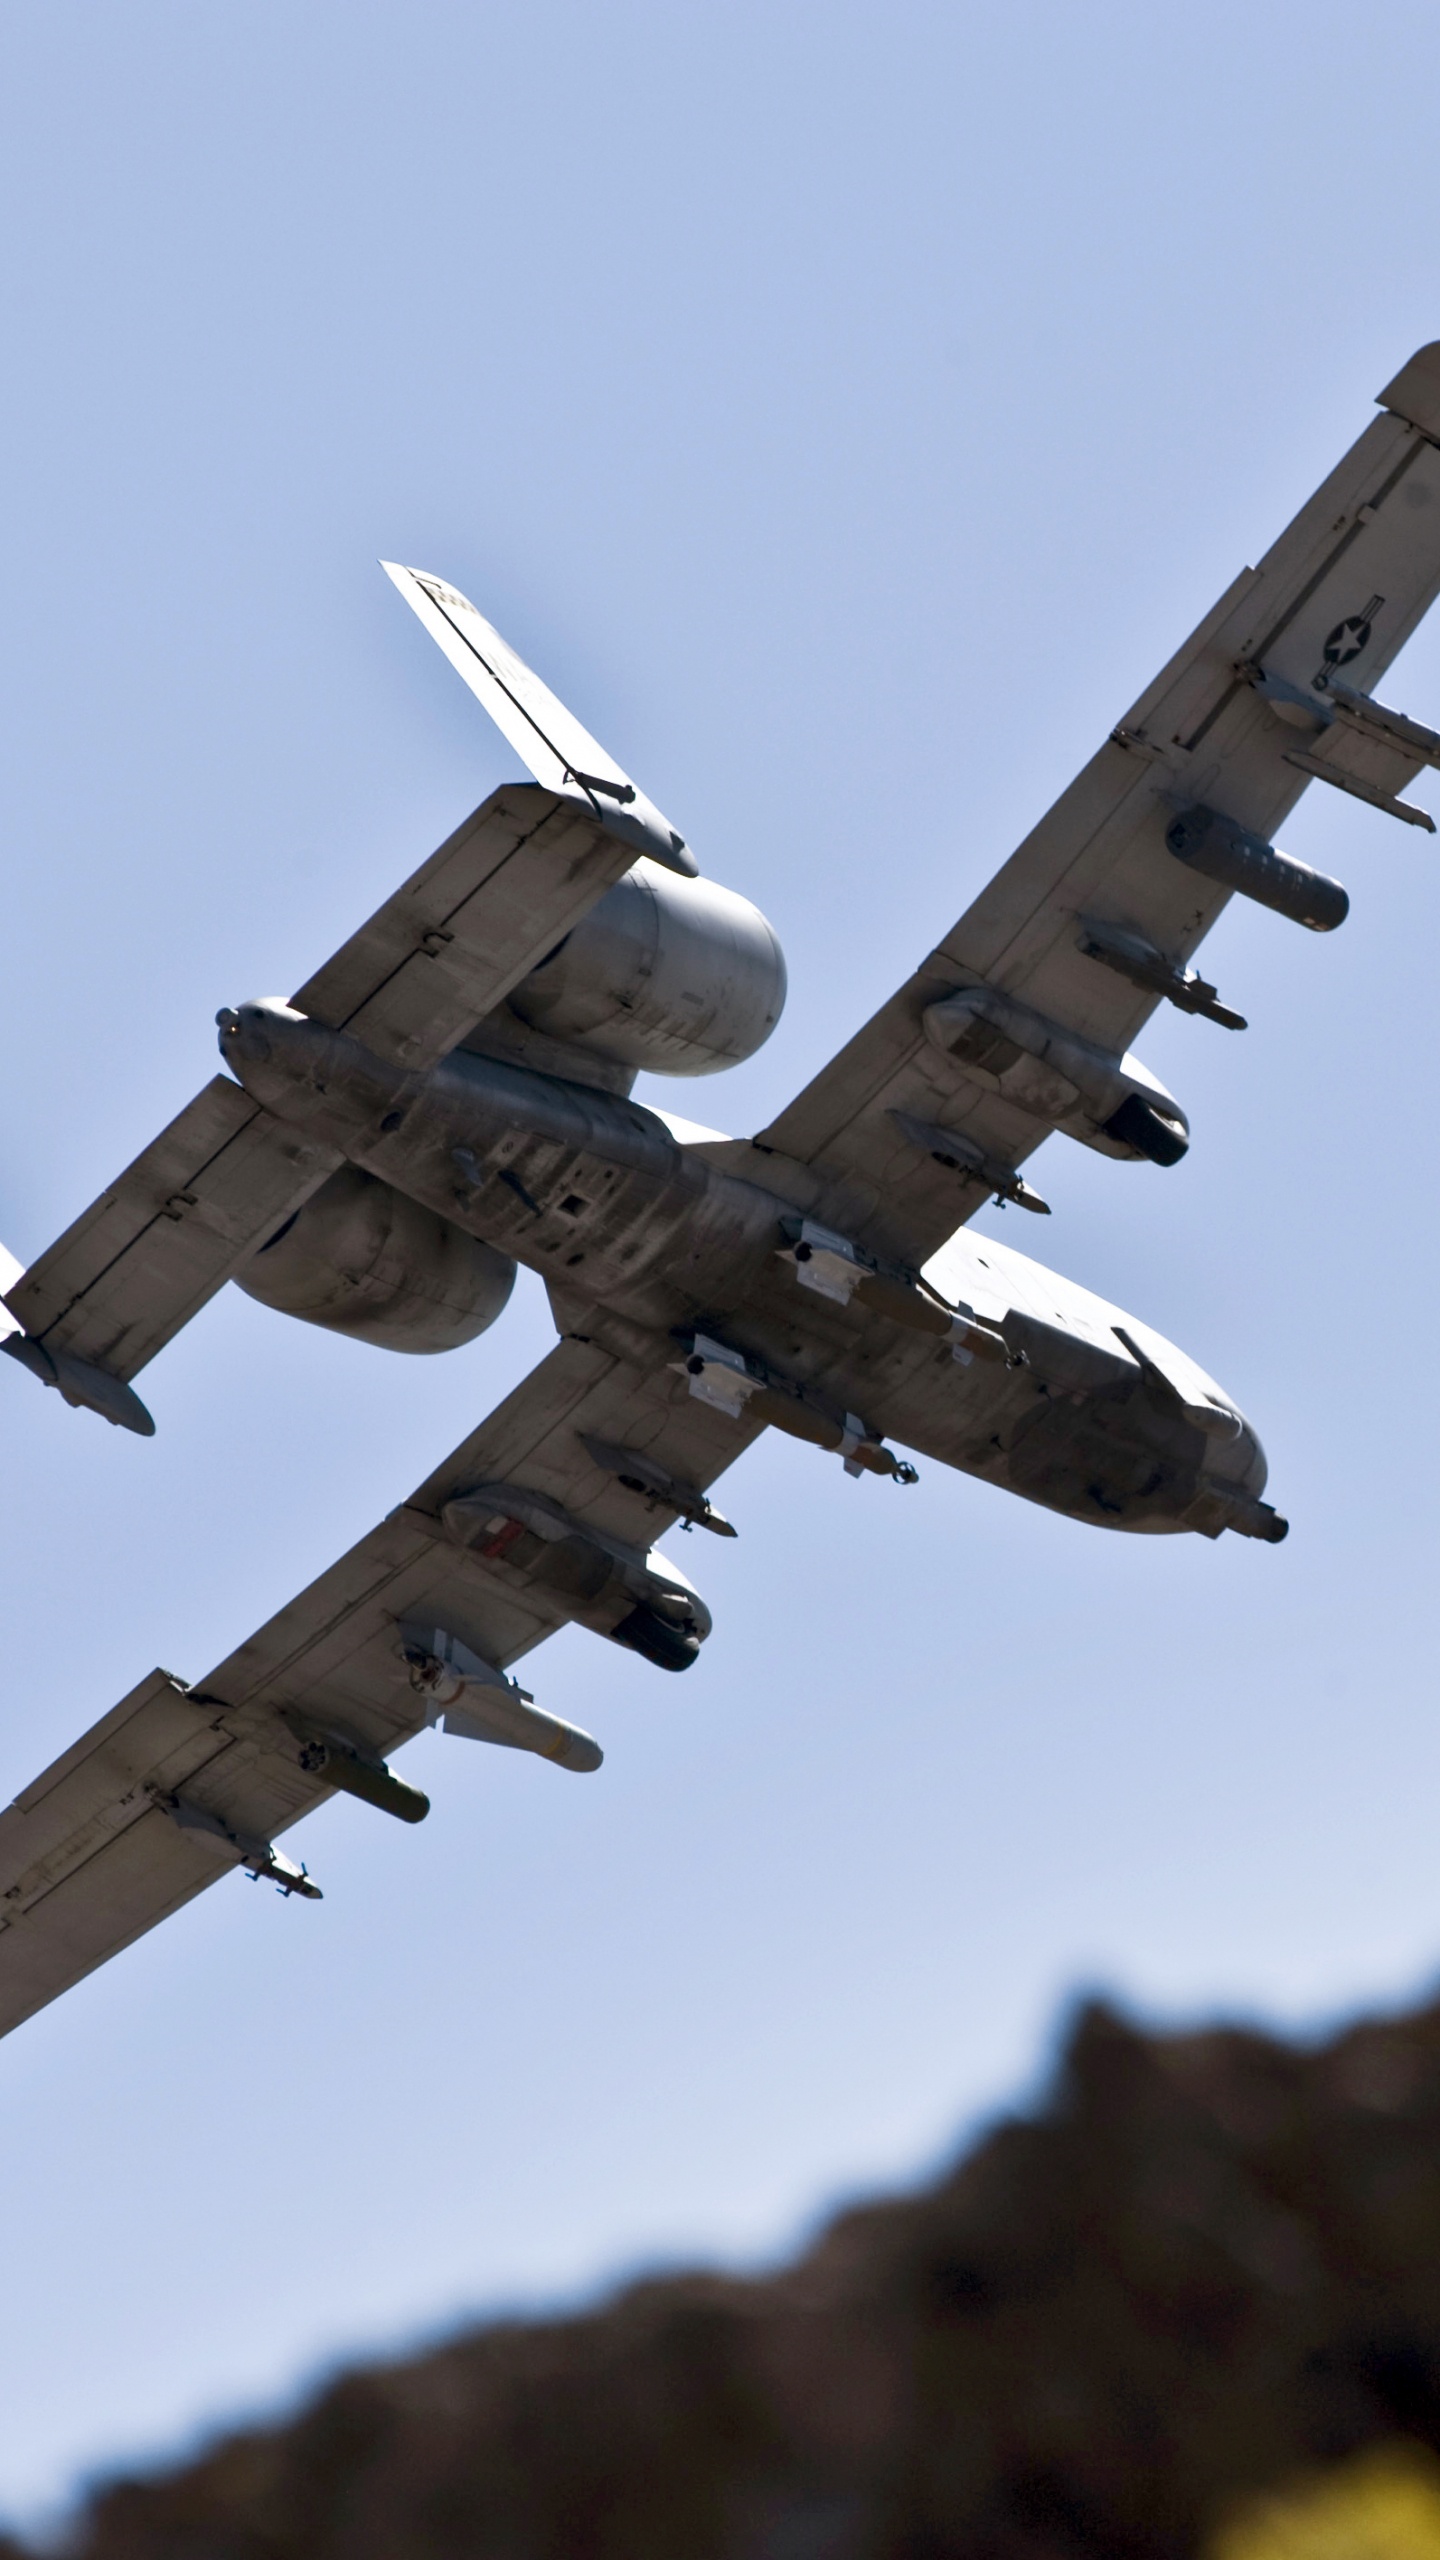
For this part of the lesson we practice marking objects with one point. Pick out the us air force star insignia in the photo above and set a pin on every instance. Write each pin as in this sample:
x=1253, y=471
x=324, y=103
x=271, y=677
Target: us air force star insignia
x=1346, y=640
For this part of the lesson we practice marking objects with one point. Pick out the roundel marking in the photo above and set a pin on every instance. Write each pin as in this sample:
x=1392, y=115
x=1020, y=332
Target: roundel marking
x=1346, y=640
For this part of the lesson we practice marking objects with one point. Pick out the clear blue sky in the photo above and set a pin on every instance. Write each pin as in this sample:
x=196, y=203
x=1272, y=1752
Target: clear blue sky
x=847, y=409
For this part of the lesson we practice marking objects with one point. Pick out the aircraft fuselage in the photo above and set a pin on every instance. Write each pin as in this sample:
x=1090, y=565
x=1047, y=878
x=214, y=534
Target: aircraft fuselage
x=642, y=1242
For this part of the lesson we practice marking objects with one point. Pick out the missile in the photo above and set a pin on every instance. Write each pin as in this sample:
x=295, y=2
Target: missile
x=1130, y=956
x=960, y=1154
x=641, y=1473
x=736, y=1384
x=835, y=1268
x=258, y=1856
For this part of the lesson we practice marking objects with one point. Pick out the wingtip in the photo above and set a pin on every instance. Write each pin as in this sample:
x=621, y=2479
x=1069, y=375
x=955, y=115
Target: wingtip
x=1414, y=393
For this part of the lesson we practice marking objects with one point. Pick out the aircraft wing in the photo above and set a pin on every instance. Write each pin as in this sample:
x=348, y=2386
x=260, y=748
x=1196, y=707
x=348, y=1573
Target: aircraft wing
x=154, y=1247
x=1271, y=691
x=180, y=1784
x=437, y=956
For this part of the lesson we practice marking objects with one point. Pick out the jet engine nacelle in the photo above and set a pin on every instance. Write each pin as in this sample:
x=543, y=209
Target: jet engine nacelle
x=362, y=1259
x=680, y=976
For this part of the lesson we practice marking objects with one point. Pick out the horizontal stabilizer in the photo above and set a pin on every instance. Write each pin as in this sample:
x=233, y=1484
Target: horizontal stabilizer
x=547, y=738
x=81, y=1383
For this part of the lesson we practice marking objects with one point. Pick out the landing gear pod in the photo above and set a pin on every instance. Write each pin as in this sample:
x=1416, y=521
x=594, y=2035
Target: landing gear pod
x=1113, y=1104
x=1146, y=1132
x=637, y=1599
x=667, y=1634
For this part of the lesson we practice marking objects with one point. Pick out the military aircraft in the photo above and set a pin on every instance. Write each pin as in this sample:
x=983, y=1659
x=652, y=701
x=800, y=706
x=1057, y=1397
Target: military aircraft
x=449, y=1095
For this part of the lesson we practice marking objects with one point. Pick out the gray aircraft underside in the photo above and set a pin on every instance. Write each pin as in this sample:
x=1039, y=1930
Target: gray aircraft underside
x=449, y=1096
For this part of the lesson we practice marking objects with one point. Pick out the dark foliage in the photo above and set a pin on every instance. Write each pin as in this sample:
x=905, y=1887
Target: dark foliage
x=1211, y=2260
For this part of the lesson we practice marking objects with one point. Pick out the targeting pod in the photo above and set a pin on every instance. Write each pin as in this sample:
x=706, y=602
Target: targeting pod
x=465, y=1695
x=1223, y=851
x=338, y=1762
